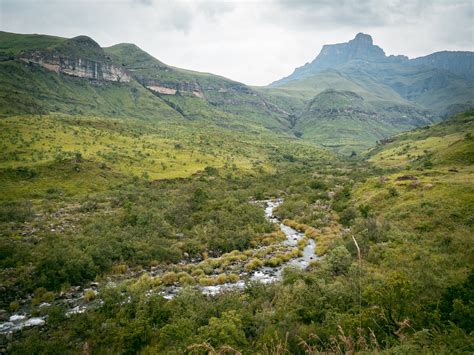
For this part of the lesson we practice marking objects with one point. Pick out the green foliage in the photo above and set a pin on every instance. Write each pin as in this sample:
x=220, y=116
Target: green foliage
x=348, y=215
x=168, y=184
x=457, y=304
x=225, y=330
x=339, y=259
x=392, y=192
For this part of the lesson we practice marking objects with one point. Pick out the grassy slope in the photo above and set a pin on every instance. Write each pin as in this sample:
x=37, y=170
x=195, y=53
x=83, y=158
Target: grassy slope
x=432, y=214
x=13, y=43
x=30, y=89
x=218, y=92
x=438, y=90
x=385, y=112
x=444, y=144
x=127, y=148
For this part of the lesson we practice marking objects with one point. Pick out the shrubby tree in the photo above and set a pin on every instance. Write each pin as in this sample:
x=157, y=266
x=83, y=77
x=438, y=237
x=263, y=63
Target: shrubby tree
x=339, y=260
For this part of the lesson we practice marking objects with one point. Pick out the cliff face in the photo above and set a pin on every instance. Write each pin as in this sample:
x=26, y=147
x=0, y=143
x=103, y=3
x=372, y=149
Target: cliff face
x=170, y=87
x=334, y=55
x=459, y=63
x=361, y=47
x=79, y=67
x=80, y=57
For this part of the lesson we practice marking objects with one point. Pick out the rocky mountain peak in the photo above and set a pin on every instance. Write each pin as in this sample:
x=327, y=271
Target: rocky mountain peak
x=363, y=39
x=361, y=47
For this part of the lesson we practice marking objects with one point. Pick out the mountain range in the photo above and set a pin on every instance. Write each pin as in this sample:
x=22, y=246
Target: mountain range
x=348, y=98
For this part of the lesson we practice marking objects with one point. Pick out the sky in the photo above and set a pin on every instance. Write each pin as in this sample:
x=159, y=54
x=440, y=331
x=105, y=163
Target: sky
x=254, y=42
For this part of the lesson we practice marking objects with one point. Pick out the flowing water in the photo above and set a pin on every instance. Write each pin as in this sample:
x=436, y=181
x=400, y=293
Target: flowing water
x=264, y=275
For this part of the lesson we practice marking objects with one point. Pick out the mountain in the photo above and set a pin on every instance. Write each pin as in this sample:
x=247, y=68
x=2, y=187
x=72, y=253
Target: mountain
x=459, y=63
x=348, y=98
x=41, y=74
x=362, y=49
x=352, y=94
x=190, y=91
x=334, y=55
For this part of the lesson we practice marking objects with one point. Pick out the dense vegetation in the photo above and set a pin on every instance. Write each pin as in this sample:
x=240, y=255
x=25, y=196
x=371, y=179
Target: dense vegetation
x=120, y=204
x=409, y=290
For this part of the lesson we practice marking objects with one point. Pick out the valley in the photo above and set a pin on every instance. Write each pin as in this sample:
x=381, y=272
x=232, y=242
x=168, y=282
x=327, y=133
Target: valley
x=150, y=209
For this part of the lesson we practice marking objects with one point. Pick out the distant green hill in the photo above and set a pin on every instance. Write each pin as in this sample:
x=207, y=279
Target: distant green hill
x=48, y=75
x=346, y=112
x=11, y=44
x=192, y=92
x=42, y=74
x=394, y=93
x=446, y=144
x=351, y=96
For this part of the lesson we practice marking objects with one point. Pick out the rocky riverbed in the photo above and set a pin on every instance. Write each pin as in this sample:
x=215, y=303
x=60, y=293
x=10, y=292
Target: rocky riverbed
x=74, y=301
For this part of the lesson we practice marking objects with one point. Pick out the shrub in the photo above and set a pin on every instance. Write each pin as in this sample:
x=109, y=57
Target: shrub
x=42, y=295
x=311, y=233
x=339, y=259
x=169, y=278
x=273, y=261
x=89, y=295
x=233, y=278
x=253, y=264
x=16, y=211
x=207, y=281
x=393, y=192
x=24, y=172
x=88, y=206
x=119, y=269
x=197, y=272
x=185, y=279
x=317, y=185
x=14, y=305
x=221, y=279
x=301, y=244
x=348, y=215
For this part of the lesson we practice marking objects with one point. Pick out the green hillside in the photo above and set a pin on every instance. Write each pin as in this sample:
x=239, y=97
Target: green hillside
x=397, y=94
x=135, y=198
x=346, y=112
x=41, y=74
x=11, y=44
x=446, y=144
x=27, y=89
x=214, y=91
x=30, y=87
x=440, y=91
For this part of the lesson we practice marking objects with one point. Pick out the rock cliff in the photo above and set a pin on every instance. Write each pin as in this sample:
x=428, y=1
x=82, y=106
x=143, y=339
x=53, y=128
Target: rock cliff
x=80, y=57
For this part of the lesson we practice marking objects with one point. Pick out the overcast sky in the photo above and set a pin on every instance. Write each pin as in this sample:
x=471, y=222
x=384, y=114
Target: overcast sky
x=255, y=42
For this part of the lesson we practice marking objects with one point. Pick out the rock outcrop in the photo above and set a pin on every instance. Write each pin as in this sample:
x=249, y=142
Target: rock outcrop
x=334, y=55
x=80, y=57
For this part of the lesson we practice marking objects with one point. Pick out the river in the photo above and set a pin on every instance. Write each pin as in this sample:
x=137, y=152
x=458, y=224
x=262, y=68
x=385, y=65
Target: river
x=264, y=274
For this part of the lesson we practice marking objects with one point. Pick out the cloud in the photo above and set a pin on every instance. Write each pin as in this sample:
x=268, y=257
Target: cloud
x=253, y=41
x=326, y=13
